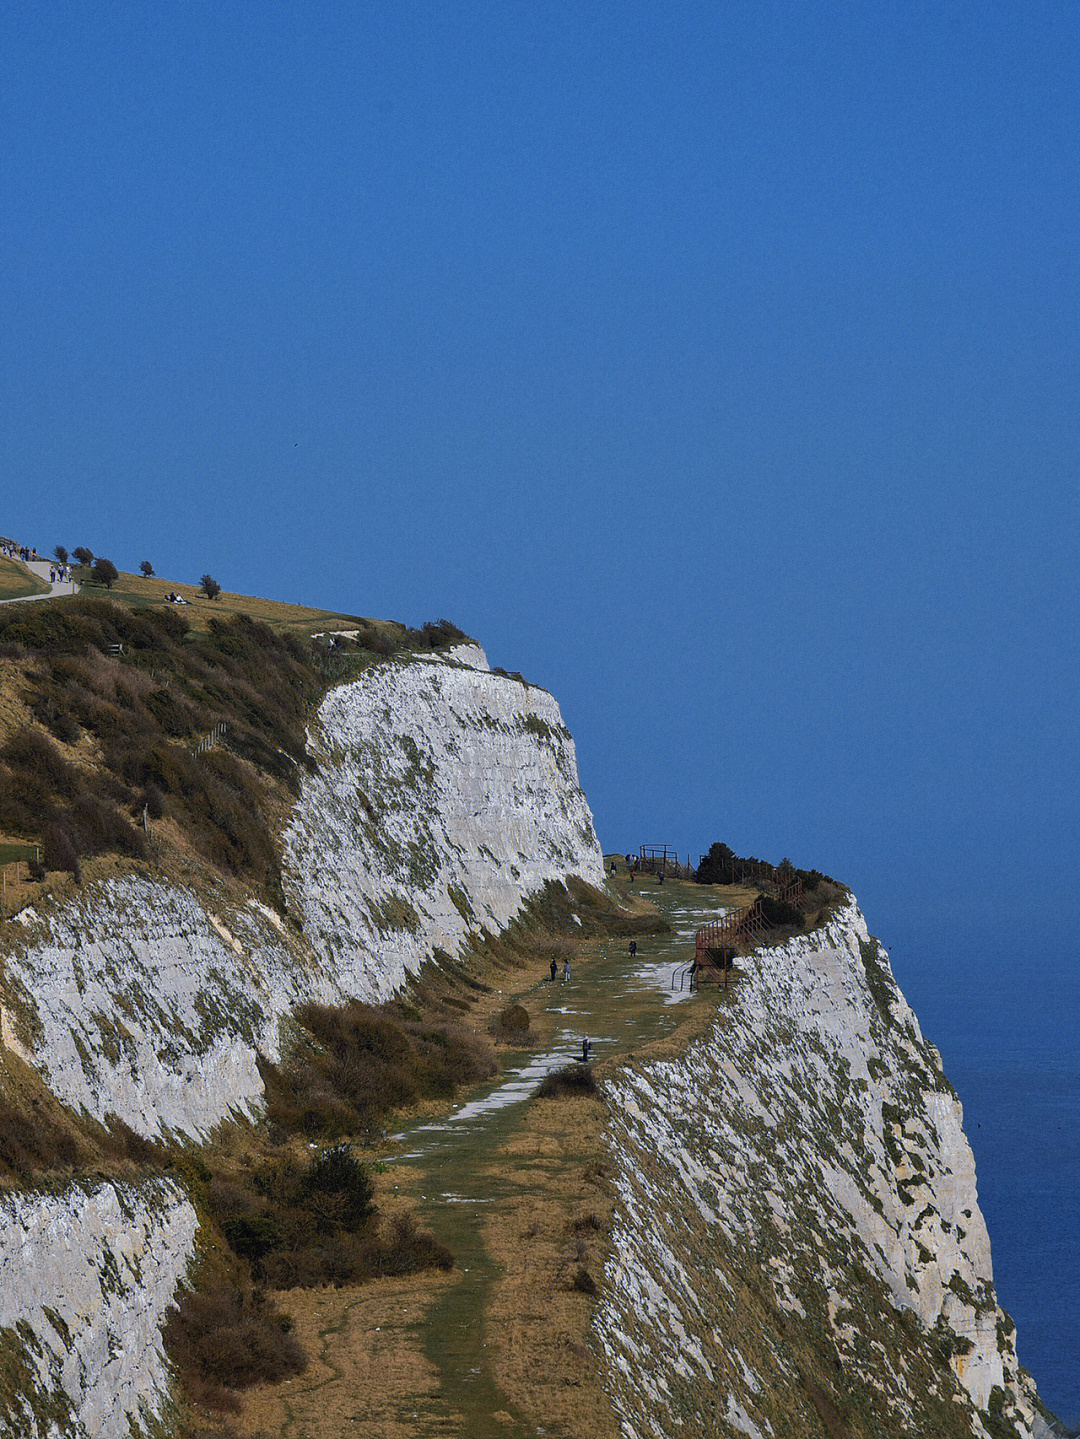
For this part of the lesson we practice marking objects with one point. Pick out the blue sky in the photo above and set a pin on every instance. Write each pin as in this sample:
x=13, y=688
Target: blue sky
x=715, y=365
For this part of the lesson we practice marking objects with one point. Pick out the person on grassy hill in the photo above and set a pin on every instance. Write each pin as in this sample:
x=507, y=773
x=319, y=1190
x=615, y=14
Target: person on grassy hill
x=566, y=970
x=633, y=949
x=554, y=970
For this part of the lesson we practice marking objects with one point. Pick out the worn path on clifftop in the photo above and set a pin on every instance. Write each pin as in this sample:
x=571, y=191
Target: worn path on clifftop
x=434, y=1345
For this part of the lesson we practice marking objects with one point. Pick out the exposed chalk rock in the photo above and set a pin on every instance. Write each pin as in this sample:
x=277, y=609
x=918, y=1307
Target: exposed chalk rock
x=86, y=1278
x=800, y=1178
x=444, y=795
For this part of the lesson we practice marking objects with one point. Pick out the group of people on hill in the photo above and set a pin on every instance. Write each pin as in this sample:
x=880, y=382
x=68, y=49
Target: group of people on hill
x=12, y=550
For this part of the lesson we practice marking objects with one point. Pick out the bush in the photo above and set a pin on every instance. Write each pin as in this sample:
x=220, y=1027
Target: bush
x=82, y=555
x=339, y=1190
x=58, y=850
x=220, y=1339
x=61, y=554
x=583, y=1282
x=302, y=1226
x=146, y=568
x=409, y=1249
x=780, y=913
x=210, y=587
x=574, y=1079
x=512, y=1024
x=31, y=1145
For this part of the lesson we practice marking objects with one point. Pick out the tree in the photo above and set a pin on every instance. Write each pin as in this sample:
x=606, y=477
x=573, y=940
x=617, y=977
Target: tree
x=147, y=568
x=81, y=554
x=61, y=554
x=210, y=587
x=717, y=867
x=104, y=573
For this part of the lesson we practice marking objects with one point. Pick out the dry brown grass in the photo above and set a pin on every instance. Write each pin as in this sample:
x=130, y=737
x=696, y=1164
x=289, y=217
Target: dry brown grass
x=296, y=619
x=367, y=1374
x=16, y=581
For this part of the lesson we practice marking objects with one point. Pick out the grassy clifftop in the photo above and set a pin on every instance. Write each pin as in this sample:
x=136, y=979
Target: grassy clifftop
x=139, y=593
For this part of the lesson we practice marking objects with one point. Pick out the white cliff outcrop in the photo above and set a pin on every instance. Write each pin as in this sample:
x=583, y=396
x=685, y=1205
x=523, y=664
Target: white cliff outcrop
x=797, y=1198
x=86, y=1279
x=442, y=798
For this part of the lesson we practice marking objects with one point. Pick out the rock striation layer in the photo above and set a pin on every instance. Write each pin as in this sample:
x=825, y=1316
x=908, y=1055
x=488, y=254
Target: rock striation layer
x=798, y=1237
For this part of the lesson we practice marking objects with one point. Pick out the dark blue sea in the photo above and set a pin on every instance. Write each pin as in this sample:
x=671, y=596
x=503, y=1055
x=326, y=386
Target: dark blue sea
x=1006, y=1017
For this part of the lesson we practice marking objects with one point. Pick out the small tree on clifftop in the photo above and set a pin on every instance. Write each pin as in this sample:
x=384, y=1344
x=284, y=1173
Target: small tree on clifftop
x=104, y=573
x=61, y=554
x=82, y=555
x=210, y=587
x=146, y=568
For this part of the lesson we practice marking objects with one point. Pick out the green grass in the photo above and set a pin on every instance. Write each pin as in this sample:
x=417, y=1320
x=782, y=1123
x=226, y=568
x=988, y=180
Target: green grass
x=9, y=853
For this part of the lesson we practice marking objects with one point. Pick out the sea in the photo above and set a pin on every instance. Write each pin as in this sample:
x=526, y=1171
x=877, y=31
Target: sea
x=1006, y=1017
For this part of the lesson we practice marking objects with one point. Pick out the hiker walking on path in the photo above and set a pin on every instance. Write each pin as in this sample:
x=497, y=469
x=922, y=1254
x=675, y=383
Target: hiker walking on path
x=554, y=970
x=566, y=970
x=633, y=949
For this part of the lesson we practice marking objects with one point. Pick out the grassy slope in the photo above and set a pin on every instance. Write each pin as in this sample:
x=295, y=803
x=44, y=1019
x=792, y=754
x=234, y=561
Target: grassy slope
x=15, y=581
x=297, y=620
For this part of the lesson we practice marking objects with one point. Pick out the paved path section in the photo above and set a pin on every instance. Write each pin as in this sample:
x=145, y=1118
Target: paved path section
x=40, y=569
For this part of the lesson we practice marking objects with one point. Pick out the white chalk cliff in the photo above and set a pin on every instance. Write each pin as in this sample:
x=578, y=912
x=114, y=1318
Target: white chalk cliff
x=86, y=1279
x=796, y=1195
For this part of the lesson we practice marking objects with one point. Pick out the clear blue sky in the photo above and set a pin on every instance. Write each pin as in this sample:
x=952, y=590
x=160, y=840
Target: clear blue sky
x=716, y=365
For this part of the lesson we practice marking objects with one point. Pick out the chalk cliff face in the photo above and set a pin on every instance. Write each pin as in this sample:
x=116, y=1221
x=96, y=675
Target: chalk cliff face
x=798, y=1234
x=444, y=795
x=86, y=1279
x=438, y=804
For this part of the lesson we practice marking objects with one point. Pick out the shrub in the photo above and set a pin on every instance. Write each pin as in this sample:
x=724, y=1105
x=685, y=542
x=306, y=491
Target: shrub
x=146, y=568
x=512, y=1024
x=210, y=587
x=583, y=1282
x=61, y=554
x=31, y=1145
x=780, y=913
x=220, y=1338
x=438, y=634
x=339, y=1188
x=574, y=1079
x=300, y=1226
x=58, y=850
x=366, y=1064
x=82, y=555
x=408, y=1250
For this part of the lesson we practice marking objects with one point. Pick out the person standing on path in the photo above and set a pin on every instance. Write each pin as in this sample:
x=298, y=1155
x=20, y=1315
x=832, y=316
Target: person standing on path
x=633, y=949
x=554, y=969
x=566, y=970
